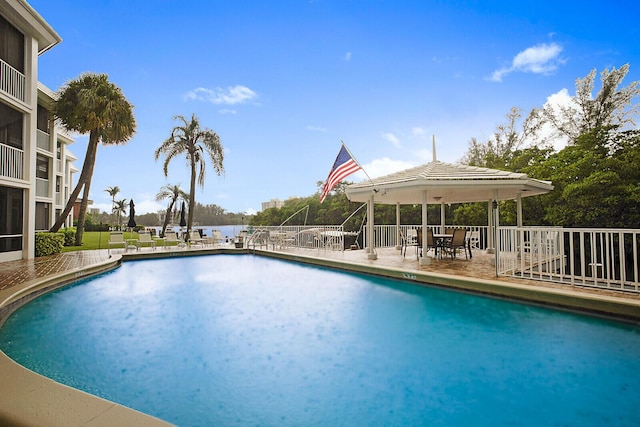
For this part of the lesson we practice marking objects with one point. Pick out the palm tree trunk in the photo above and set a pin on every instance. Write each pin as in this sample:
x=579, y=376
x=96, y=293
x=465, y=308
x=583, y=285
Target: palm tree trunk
x=83, y=213
x=85, y=176
x=167, y=216
x=192, y=194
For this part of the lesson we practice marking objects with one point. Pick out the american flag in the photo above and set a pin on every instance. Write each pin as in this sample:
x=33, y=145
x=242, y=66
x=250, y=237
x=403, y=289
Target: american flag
x=342, y=168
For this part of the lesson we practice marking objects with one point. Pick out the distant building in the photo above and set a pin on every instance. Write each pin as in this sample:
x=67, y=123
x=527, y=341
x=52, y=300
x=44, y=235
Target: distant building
x=36, y=167
x=273, y=203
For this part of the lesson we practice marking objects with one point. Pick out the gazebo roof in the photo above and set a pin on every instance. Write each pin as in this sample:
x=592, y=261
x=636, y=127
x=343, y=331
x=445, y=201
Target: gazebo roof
x=447, y=183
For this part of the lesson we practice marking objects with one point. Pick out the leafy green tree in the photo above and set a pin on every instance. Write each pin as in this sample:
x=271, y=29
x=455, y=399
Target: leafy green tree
x=611, y=106
x=92, y=104
x=196, y=144
x=173, y=193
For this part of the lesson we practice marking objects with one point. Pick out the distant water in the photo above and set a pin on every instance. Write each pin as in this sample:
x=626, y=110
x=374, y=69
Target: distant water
x=227, y=230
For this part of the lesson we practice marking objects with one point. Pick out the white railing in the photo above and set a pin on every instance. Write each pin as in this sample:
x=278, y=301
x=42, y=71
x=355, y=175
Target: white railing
x=600, y=258
x=11, y=162
x=43, y=140
x=386, y=236
x=326, y=237
x=12, y=81
x=42, y=187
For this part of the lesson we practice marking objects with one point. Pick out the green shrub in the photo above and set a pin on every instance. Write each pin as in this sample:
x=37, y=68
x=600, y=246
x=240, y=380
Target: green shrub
x=49, y=243
x=69, y=236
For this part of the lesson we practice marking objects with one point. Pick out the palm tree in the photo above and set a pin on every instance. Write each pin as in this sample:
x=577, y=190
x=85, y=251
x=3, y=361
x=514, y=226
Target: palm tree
x=113, y=191
x=120, y=208
x=189, y=139
x=173, y=193
x=92, y=104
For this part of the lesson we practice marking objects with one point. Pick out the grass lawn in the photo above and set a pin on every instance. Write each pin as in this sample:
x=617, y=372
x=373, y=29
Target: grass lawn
x=96, y=240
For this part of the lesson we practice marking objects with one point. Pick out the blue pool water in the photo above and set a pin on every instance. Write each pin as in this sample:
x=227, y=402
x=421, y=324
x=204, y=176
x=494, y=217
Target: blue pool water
x=245, y=340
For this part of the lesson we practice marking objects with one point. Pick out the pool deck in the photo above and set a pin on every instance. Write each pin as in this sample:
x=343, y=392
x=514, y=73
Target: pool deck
x=27, y=398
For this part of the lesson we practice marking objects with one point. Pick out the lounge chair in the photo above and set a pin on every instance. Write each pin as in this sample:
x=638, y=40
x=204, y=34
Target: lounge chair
x=116, y=238
x=144, y=239
x=171, y=237
x=195, y=238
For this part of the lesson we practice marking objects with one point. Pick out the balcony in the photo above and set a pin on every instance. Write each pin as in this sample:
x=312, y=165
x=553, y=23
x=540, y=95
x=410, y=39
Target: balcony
x=43, y=141
x=11, y=162
x=42, y=187
x=12, y=81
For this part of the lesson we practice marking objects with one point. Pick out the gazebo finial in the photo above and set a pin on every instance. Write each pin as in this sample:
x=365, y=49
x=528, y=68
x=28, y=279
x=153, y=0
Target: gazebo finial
x=433, y=139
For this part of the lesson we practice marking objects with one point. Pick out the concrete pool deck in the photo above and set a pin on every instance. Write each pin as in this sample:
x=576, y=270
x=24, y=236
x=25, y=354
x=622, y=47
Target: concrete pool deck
x=27, y=398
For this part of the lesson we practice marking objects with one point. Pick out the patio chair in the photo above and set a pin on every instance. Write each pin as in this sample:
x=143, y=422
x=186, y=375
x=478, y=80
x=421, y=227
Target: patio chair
x=144, y=239
x=431, y=243
x=474, y=240
x=411, y=239
x=116, y=238
x=458, y=241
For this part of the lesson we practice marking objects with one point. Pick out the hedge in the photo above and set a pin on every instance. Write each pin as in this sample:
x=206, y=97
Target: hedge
x=69, y=236
x=49, y=243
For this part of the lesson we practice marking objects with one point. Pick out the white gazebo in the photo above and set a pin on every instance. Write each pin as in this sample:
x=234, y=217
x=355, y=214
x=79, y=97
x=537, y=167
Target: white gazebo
x=444, y=183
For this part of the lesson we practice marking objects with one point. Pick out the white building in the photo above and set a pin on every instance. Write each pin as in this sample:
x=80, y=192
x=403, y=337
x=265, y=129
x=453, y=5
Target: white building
x=273, y=203
x=36, y=167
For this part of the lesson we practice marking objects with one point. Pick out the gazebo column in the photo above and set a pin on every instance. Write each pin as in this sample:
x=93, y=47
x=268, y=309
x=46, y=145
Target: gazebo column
x=371, y=252
x=424, y=259
x=398, y=241
x=490, y=245
x=519, y=209
x=443, y=217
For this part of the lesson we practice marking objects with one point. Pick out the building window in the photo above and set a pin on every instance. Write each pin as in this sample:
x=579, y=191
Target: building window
x=42, y=167
x=10, y=126
x=43, y=119
x=42, y=216
x=11, y=200
x=11, y=45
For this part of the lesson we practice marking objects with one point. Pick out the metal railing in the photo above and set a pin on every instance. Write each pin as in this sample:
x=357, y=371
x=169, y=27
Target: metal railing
x=12, y=81
x=11, y=162
x=600, y=258
x=327, y=237
x=43, y=140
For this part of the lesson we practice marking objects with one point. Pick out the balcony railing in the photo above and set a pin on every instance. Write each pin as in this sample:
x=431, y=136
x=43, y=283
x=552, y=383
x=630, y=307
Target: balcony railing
x=11, y=162
x=42, y=187
x=12, y=81
x=43, y=140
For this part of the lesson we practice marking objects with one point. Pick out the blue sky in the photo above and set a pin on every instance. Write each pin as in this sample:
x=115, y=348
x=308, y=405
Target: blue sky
x=283, y=82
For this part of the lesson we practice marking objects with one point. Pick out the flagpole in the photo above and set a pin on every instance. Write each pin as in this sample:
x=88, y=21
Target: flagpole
x=355, y=160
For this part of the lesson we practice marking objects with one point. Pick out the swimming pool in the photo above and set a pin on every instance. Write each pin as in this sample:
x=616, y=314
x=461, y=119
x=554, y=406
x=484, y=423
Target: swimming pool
x=247, y=340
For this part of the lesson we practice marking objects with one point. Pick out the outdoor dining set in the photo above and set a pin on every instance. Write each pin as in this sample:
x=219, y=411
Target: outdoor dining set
x=445, y=244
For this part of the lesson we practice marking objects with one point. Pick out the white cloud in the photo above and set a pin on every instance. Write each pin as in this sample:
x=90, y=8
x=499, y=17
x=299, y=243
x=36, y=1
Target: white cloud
x=555, y=101
x=417, y=131
x=232, y=95
x=317, y=128
x=391, y=138
x=227, y=111
x=347, y=56
x=540, y=59
x=384, y=166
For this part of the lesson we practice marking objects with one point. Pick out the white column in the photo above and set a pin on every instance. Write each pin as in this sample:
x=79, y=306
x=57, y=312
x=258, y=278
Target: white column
x=443, y=217
x=519, y=209
x=371, y=252
x=424, y=259
x=398, y=245
x=490, y=244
